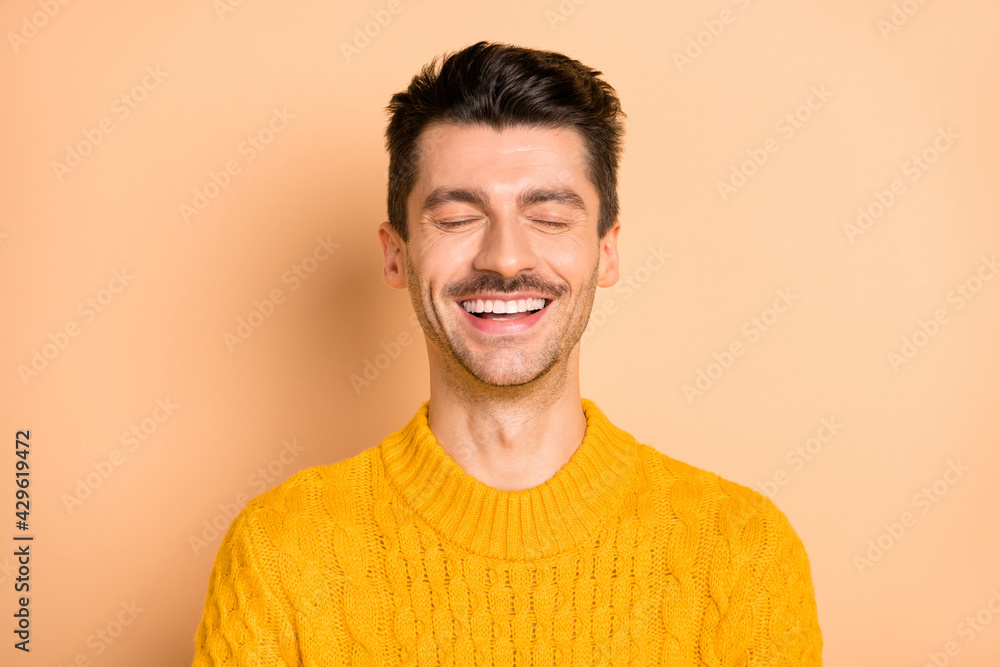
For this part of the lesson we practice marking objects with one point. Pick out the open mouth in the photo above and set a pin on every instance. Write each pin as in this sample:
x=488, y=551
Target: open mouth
x=504, y=310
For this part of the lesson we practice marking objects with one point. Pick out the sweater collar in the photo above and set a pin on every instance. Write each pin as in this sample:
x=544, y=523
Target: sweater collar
x=564, y=512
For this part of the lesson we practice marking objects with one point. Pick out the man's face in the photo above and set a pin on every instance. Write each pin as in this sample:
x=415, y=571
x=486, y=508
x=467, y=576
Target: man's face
x=501, y=216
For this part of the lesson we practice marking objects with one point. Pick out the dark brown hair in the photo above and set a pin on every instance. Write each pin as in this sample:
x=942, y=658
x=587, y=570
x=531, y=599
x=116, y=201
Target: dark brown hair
x=503, y=86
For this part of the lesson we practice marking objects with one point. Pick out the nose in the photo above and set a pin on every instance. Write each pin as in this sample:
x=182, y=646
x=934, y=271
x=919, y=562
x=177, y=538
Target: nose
x=507, y=247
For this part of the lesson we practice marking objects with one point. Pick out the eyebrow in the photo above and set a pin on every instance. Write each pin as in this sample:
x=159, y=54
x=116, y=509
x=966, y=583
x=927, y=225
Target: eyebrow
x=477, y=196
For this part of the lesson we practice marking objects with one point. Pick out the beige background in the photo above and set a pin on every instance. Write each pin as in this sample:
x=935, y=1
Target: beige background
x=245, y=415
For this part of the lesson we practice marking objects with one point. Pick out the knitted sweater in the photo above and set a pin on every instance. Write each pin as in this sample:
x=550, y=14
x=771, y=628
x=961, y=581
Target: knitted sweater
x=397, y=557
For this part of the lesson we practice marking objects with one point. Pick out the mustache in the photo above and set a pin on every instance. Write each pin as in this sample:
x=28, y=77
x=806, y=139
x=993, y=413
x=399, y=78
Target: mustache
x=493, y=283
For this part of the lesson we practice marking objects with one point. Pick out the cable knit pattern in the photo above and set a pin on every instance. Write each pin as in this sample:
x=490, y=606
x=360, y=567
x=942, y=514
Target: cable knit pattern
x=397, y=557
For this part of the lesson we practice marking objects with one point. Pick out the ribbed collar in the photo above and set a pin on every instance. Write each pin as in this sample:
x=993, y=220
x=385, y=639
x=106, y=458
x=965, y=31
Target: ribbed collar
x=553, y=517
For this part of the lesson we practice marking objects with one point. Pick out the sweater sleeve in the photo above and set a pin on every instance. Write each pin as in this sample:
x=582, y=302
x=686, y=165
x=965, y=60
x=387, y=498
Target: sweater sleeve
x=784, y=604
x=246, y=621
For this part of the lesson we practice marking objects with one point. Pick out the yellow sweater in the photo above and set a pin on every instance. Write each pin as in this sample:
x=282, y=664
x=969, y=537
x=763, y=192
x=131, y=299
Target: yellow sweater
x=397, y=557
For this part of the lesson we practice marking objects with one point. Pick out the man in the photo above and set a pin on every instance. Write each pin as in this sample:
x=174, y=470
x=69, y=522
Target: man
x=509, y=522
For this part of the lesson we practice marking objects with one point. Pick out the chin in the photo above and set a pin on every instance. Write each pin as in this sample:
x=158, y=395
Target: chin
x=506, y=378
x=508, y=381
x=501, y=373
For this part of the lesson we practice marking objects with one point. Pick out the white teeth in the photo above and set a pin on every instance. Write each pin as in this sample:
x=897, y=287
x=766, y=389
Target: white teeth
x=497, y=306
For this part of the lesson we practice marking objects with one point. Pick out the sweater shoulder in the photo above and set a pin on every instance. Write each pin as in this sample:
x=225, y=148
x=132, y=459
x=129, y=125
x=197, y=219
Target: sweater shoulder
x=306, y=489
x=725, y=504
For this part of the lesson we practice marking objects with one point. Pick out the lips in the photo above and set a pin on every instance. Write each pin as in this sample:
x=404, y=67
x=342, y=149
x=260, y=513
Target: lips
x=506, y=323
x=506, y=316
x=485, y=305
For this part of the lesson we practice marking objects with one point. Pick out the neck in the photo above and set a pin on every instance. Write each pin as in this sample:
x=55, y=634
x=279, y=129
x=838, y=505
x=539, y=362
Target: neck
x=509, y=438
x=568, y=510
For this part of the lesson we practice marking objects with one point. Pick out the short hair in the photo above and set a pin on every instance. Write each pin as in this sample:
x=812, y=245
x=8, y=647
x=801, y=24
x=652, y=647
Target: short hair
x=503, y=86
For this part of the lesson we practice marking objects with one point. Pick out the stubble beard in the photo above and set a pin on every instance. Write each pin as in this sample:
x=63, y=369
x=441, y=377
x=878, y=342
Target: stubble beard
x=506, y=366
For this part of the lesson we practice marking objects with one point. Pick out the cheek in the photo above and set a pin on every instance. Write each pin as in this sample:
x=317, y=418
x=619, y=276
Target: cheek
x=437, y=260
x=443, y=250
x=569, y=259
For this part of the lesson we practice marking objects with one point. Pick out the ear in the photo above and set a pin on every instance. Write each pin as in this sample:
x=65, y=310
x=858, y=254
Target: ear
x=607, y=272
x=394, y=249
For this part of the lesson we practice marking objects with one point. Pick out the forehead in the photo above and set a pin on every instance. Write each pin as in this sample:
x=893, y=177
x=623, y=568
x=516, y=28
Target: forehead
x=447, y=151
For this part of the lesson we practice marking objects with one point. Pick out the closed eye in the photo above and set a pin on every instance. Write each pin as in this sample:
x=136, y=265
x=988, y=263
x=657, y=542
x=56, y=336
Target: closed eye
x=449, y=225
x=457, y=223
